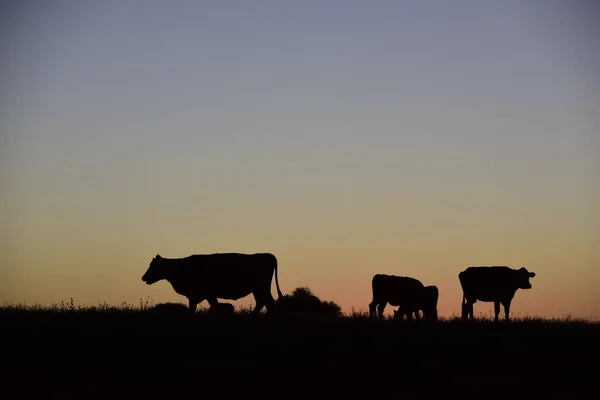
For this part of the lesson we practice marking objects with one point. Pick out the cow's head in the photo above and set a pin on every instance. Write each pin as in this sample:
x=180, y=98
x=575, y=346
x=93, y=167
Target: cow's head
x=156, y=271
x=523, y=276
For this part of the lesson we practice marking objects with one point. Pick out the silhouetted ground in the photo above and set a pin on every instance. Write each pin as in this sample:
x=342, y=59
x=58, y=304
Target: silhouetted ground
x=128, y=353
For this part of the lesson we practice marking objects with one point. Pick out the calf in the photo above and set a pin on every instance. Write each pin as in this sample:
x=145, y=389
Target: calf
x=426, y=301
x=397, y=290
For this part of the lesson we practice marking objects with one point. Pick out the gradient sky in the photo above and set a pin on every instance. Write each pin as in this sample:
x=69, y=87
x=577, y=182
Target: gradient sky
x=348, y=138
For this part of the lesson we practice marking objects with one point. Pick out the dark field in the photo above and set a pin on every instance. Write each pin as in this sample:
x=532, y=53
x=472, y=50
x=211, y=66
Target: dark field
x=111, y=352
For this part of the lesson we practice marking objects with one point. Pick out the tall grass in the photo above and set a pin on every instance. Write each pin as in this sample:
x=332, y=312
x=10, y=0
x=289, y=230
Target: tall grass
x=147, y=305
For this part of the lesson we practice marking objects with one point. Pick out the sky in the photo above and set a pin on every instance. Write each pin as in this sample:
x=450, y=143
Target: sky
x=348, y=138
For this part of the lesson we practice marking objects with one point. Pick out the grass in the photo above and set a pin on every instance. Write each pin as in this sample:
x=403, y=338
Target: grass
x=137, y=351
x=145, y=306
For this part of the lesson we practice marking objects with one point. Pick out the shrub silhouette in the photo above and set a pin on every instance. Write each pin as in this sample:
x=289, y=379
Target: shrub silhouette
x=303, y=302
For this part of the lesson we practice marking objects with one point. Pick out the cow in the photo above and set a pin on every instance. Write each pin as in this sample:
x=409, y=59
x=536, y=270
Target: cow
x=496, y=283
x=210, y=277
x=427, y=301
x=397, y=290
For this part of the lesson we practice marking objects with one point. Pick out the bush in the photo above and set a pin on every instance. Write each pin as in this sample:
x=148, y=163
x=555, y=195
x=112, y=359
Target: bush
x=303, y=301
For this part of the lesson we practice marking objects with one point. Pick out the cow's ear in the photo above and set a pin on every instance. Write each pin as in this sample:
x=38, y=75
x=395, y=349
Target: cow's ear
x=531, y=274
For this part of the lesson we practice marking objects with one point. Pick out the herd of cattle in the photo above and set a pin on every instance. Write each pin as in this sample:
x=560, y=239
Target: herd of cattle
x=234, y=275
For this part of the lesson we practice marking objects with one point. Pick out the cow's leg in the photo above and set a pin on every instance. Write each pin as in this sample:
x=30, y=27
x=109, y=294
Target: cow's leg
x=213, y=302
x=399, y=314
x=467, y=307
x=258, y=308
x=269, y=303
x=260, y=303
x=470, y=310
x=496, y=310
x=417, y=315
x=506, y=305
x=430, y=314
x=192, y=304
x=373, y=309
x=380, y=309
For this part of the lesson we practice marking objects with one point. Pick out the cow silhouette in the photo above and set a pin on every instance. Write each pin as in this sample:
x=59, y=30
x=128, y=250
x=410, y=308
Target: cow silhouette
x=497, y=283
x=398, y=291
x=210, y=277
x=427, y=300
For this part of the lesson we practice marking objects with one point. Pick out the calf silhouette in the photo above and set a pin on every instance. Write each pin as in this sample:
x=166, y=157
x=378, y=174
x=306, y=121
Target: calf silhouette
x=426, y=301
x=218, y=276
x=397, y=290
x=497, y=284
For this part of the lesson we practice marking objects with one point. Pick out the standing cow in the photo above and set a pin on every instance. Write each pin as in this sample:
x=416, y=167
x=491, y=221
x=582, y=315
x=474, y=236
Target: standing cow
x=397, y=290
x=223, y=275
x=427, y=300
x=497, y=284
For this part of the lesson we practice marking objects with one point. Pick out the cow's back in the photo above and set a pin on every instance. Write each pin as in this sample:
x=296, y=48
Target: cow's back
x=227, y=275
x=396, y=290
x=485, y=275
x=486, y=283
x=226, y=264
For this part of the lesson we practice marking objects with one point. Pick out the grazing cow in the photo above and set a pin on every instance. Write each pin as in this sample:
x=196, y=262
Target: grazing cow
x=497, y=284
x=223, y=275
x=396, y=290
x=427, y=302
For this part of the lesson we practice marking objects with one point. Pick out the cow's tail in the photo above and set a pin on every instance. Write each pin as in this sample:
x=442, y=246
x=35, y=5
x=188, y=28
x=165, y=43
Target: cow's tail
x=461, y=277
x=279, y=294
